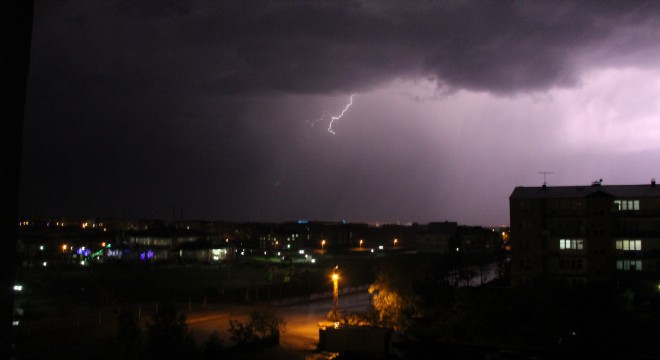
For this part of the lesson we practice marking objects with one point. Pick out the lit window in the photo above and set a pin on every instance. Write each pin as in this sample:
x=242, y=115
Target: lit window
x=629, y=245
x=571, y=244
x=626, y=205
x=629, y=265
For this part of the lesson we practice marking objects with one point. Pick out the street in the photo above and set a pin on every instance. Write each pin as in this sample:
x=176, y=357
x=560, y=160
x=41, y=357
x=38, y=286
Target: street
x=302, y=331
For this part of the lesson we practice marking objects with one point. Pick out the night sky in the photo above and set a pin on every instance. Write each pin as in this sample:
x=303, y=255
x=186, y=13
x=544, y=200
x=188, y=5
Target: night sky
x=222, y=108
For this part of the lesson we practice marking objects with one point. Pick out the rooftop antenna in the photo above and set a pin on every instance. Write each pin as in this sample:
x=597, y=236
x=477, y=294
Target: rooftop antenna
x=544, y=174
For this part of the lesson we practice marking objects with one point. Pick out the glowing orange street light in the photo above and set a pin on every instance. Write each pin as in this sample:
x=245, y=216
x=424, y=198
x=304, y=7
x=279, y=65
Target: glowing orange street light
x=64, y=247
x=322, y=246
x=395, y=241
x=335, y=293
x=361, y=241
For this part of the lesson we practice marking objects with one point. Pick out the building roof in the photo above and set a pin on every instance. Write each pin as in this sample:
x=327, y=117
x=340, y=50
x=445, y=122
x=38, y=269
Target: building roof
x=617, y=191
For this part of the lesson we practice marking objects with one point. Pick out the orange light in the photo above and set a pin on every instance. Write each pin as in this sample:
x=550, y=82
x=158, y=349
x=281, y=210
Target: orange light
x=64, y=247
x=335, y=277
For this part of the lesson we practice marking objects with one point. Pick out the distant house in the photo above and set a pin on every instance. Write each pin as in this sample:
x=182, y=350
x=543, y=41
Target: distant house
x=445, y=237
x=203, y=251
x=162, y=243
x=585, y=233
x=437, y=238
x=477, y=240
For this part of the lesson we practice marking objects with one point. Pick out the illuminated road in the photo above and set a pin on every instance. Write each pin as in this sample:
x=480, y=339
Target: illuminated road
x=301, y=319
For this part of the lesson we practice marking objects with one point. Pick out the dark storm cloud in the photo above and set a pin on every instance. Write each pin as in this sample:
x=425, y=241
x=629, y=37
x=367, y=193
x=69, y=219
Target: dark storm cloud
x=134, y=106
x=330, y=47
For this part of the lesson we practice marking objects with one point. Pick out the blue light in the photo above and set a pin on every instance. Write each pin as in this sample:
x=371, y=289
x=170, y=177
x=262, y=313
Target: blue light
x=147, y=255
x=83, y=251
x=302, y=221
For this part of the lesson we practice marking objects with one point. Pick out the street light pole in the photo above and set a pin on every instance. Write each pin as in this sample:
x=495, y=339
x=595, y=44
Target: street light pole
x=335, y=294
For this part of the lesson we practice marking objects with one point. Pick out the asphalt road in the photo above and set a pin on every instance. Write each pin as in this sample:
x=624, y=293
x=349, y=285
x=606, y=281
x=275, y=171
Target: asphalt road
x=302, y=330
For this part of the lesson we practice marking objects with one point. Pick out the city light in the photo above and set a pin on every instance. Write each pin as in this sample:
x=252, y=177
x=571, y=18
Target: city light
x=335, y=293
x=18, y=288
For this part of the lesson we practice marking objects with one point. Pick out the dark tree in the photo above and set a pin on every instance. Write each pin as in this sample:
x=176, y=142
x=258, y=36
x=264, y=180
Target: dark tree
x=212, y=348
x=168, y=336
x=129, y=335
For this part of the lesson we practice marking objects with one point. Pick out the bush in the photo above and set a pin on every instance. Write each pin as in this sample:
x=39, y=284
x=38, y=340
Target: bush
x=263, y=330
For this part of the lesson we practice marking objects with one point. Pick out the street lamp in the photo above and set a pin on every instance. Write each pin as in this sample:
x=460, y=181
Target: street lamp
x=395, y=241
x=322, y=246
x=361, y=241
x=335, y=293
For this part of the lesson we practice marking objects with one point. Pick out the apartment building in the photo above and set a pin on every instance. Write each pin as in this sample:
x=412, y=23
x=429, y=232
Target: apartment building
x=593, y=233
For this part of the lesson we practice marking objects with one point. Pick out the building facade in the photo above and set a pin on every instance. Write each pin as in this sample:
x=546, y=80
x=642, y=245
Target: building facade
x=445, y=237
x=594, y=233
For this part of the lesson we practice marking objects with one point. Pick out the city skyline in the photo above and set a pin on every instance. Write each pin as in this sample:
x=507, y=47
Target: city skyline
x=356, y=111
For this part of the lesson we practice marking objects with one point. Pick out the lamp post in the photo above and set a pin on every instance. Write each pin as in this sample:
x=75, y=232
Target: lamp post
x=361, y=241
x=395, y=241
x=322, y=246
x=335, y=293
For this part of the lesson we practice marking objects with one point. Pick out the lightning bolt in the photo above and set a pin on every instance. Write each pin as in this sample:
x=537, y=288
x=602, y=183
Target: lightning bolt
x=332, y=119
